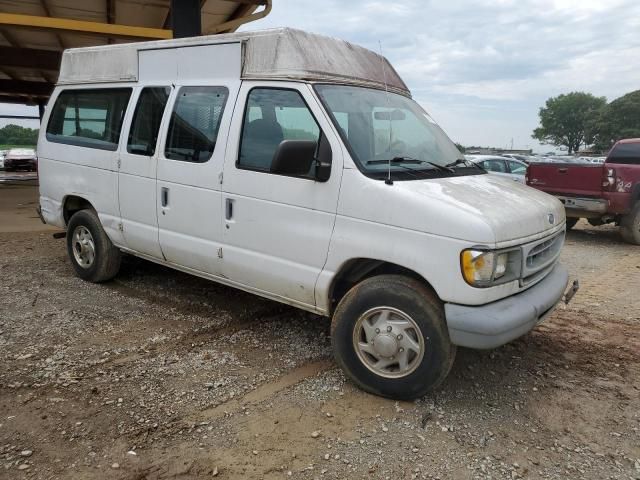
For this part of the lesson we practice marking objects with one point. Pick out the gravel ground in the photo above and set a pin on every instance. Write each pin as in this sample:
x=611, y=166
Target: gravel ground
x=161, y=375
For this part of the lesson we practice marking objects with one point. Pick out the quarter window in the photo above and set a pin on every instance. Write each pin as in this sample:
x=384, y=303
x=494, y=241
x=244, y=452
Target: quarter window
x=143, y=134
x=89, y=118
x=193, y=129
x=271, y=116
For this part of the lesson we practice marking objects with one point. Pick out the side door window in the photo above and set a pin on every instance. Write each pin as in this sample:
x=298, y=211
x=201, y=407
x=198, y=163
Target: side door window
x=517, y=168
x=271, y=116
x=497, y=166
x=145, y=125
x=194, y=124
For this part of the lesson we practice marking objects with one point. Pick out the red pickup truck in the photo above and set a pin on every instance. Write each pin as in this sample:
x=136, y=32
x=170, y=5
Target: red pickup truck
x=601, y=193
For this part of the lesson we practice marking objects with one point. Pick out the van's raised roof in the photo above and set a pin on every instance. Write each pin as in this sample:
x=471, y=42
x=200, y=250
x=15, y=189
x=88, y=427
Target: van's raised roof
x=283, y=54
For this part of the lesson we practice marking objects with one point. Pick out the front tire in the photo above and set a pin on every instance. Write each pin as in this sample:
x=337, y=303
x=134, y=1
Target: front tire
x=93, y=256
x=630, y=225
x=390, y=337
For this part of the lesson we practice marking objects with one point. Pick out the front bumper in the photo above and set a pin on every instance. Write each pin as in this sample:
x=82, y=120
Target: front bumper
x=497, y=323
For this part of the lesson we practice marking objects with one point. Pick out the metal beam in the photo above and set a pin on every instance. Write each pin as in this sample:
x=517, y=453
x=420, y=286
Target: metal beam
x=47, y=12
x=24, y=87
x=95, y=28
x=30, y=58
x=20, y=117
x=232, y=25
x=186, y=20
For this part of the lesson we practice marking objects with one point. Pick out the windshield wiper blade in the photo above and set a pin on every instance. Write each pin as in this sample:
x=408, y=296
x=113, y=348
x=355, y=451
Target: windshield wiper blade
x=466, y=162
x=397, y=160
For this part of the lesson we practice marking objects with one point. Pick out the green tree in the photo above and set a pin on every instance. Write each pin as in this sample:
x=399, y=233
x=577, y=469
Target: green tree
x=619, y=119
x=568, y=119
x=17, y=135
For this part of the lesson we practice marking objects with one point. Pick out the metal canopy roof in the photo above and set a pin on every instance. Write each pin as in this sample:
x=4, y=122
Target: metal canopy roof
x=33, y=34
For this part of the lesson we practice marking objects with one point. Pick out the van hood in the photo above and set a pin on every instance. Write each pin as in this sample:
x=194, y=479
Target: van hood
x=509, y=209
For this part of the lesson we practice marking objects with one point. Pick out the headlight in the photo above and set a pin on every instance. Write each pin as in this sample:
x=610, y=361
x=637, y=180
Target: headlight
x=480, y=268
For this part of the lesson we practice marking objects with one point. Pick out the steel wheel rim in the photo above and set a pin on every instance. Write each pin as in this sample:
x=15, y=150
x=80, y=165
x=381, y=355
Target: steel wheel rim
x=83, y=246
x=388, y=342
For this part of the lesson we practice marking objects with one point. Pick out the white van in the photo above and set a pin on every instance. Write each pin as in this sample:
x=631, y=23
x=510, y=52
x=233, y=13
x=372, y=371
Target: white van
x=298, y=167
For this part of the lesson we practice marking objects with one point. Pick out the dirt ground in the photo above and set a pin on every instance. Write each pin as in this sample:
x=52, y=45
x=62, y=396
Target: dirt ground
x=160, y=375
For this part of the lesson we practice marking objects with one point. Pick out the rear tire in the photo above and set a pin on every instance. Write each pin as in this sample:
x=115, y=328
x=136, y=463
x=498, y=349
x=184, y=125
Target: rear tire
x=93, y=256
x=390, y=337
x=571, y=222
x=630, y=225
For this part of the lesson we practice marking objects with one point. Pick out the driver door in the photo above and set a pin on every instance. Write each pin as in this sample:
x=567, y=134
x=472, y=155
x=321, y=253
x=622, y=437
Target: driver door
x=277, y=228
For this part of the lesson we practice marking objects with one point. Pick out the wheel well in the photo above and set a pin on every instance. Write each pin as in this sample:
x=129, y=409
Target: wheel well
x=73, y=204
x=359, y=269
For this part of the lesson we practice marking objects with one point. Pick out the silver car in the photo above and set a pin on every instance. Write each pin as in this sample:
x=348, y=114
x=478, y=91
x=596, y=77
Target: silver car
x=502, y=166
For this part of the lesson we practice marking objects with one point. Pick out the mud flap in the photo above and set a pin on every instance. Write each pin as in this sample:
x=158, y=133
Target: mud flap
x=573, y=289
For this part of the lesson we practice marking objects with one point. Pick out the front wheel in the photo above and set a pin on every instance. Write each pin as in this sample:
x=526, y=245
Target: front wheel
x=630, y=225
x=93, y=256
x=390, y=337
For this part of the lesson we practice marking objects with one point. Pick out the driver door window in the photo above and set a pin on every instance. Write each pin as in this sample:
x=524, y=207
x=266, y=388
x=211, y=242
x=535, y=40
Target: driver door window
x=271, y=116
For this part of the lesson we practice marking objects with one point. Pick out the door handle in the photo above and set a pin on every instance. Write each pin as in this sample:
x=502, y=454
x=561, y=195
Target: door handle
x=228, y=211
x=562, y=170
x=164, y=196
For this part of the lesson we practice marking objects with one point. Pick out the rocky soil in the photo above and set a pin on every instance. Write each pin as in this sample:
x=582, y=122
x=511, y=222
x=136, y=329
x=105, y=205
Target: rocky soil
x=161, y=375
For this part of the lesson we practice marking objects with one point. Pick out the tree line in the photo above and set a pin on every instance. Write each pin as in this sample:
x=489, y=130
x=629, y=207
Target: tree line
x=580, y=119
x=17, y=135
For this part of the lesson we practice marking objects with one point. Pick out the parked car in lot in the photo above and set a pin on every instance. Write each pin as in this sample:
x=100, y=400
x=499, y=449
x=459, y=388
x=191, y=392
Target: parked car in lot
x=3, y=153
x=601, y=193
x=501, y=166
x=21, y=159
x=298, y=167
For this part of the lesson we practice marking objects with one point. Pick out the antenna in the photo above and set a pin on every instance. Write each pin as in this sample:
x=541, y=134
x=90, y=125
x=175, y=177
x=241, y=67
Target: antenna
x=388, y=181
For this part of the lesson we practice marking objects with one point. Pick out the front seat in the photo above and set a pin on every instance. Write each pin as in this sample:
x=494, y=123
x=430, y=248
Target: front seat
x=260, y=139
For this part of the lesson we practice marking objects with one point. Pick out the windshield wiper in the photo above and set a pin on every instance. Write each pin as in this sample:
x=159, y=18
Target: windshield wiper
x=466, y=162
x=398, y=160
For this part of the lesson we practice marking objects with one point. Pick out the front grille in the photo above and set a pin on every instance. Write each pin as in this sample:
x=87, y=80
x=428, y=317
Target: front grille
x=539, y=258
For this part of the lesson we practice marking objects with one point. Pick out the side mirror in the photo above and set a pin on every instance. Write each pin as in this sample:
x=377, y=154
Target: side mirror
x=294, y=157
x=323, y=160
x=303, y=158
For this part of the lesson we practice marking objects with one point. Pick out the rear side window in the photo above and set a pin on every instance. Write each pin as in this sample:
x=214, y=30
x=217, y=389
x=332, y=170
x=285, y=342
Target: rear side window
x=146, y=120
x=195, y=121
x=89, y=118
x=625, y=153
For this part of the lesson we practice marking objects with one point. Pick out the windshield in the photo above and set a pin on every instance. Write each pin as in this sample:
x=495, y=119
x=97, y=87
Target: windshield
x=378, y=127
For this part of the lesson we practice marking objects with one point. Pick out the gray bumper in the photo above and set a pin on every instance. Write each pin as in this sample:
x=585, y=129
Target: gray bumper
x=497, y=323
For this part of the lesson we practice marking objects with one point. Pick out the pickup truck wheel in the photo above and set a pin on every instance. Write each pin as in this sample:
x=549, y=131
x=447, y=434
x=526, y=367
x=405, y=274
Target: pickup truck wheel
x=571, y=222
x=389, y=336
x=93, y=256
x=630, y=225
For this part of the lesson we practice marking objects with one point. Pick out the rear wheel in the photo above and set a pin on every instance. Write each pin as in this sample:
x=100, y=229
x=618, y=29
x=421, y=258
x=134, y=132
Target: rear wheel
x=390, y=337
x=93, y=256
x=630, y=225
x=571, y=222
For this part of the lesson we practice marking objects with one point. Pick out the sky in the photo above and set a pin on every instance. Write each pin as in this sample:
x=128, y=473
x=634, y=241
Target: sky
x=482, y=68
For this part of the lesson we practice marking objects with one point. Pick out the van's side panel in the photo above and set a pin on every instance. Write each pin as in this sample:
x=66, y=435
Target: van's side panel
x=71, y=170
